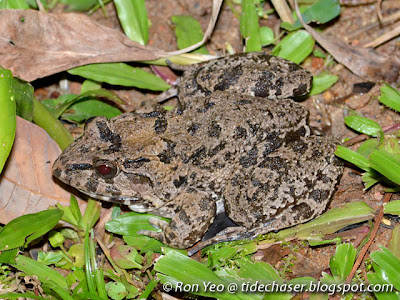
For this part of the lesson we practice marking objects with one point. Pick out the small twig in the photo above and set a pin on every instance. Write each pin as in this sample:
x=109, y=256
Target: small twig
x=363, y=137
x=283, y=10
x=364, y=249
x=384, y=38
x=378, y=10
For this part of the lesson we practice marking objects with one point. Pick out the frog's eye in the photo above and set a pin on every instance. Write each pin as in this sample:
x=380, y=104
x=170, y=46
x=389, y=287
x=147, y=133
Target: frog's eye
x=105, y=169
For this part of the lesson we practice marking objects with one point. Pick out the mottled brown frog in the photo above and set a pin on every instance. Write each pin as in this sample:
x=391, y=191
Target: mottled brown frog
x=236, y=141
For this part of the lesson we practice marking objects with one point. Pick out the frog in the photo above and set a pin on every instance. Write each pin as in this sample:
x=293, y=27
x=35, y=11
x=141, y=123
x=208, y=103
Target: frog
x=236, y=144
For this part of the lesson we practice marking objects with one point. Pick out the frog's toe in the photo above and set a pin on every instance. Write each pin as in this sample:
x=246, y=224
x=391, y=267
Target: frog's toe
x=158, y=223
x=157, y=235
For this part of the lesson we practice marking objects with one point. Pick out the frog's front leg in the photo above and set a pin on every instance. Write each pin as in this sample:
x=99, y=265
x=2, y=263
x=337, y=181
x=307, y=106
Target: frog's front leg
x=194, y=214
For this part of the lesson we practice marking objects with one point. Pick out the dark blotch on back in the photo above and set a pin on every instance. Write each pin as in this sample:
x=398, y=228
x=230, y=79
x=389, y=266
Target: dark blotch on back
x=228, y=78
x=214, y=130
x=160, y=125
x=181, y=181
x=250, y=159
x=319, y=195
x=167, y=155
x=108, y=136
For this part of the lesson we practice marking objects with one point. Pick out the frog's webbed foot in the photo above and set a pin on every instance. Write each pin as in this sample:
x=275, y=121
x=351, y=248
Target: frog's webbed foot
x=234, y=234
x=172, y=92
x=195, y=214
x=156, y=223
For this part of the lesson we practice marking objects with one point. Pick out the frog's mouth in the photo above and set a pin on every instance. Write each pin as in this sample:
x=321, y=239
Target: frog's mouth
x=135, y=203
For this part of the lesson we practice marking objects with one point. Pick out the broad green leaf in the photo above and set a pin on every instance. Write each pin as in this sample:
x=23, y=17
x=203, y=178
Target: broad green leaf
x=296, y=46
x=79, y=5
x=376, y=278
x=343, y=260
x=257, y=271
x=363, y=125
x=27, y=295
x=322, y=83
x=26, y=228
x=331, y=221
x=266, y=35
x=393, y=208
x=188, y=32
x=85, y=109
x=179, y=268
x=366, y=148
x=7, y=115
x=121, y=74
x=386, y=164
x=130, y=223
x=90, y=85
x=394, y=243
x=23, y=94
x=354, y=157
x=390, y=97
x=389, y=264
x=14, y=4
x=133, y=17
x=320, y=12
x=43, y=272
x=249, y=27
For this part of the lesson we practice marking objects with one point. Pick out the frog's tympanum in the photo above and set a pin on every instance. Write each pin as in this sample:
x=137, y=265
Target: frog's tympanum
x=236, y=142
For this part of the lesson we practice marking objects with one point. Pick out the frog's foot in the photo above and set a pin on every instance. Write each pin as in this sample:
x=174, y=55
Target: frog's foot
x=154, y=234
x=189, y=224
x=172, y=92
x=234, y=234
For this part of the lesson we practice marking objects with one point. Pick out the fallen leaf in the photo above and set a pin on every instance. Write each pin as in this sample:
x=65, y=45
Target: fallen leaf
x=364, y=62
x=26, y=184
x=35, y=44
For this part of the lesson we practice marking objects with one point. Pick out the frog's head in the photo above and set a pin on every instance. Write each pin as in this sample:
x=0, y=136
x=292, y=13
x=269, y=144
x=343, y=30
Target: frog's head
x=111, y=165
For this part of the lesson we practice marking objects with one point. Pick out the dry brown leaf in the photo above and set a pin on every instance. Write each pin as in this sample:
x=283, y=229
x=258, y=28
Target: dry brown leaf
x=363, y=62
x=35, y=44
x=26, y=184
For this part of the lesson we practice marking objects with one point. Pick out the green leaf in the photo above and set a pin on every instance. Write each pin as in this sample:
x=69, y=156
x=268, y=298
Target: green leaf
x=320, y=12
x=79, y=5
x=389, y=264
x=249, y=27
x=23, y=94
x=130, y=223
x=322, y=83
x=266, y=35
x=26, y=228
x=133, y=17
x=121, y=74
x=386, y=164
x=390, y=97
x=188, y=32
x=393, y=208
x=296, y=46
x=83, y=110
x=331, y=221
x=7, y=115
x=354, y=157
x=394, y=242
x=343, y=260
x=14, y=4
x=181, y=269
x=366, y=148
x=363, y=125
x=45, y=274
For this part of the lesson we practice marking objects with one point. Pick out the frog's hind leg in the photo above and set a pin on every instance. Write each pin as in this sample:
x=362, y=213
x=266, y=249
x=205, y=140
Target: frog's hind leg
x=234, y=234
x=194, y=214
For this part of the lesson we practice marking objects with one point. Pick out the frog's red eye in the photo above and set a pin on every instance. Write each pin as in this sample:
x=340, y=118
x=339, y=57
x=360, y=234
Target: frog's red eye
x=105, y=169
